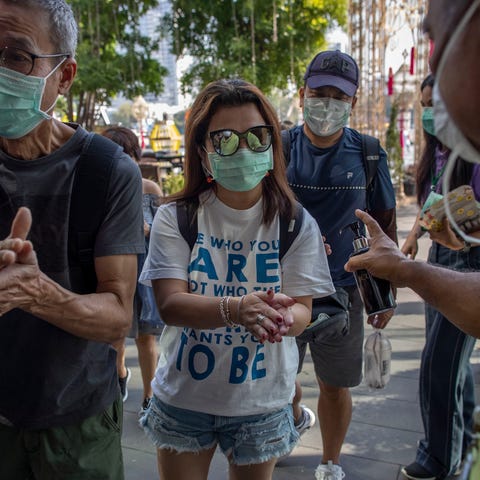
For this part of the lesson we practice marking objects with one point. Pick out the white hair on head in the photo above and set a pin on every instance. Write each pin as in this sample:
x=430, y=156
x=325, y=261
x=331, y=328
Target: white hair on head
x=64, y=30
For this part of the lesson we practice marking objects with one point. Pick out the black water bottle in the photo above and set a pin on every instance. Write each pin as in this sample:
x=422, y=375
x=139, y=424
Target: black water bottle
x=376, y=293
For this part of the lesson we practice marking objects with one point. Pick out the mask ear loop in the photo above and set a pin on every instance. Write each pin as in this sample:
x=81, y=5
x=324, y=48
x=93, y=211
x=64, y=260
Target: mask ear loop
x=206, y=171
x=445, y=188
x=48, y=110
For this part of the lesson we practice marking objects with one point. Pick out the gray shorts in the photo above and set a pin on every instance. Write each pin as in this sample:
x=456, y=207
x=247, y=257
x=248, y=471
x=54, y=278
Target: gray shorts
x=337, y=359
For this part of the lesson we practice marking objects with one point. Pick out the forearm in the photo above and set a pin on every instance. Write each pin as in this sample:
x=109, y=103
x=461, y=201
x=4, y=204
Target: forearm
x=100, y=317
x=184, y=309
x=196, y=311
x=455, y=294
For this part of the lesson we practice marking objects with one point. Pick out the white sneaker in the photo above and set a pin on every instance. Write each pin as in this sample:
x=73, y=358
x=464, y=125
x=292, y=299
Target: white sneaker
x=307, y=421
x=329, y=472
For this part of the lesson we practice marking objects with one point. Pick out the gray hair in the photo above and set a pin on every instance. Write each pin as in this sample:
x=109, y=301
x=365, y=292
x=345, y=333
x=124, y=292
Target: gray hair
x=63, y=27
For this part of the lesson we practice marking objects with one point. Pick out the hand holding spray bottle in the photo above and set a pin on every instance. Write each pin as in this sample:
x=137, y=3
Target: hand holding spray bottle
x=377, y=297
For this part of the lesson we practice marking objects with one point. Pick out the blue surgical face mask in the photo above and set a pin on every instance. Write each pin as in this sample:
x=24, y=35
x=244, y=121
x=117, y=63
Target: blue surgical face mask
x=428, y=121
x=20, y=101
x=326, y=116
x=242, y=171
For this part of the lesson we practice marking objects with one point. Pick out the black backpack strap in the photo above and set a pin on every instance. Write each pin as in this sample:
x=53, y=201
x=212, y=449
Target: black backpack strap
x=286, y=144
x=87, y=209
x=187, y=220
x=188, y=226
x=289, y=228
x=371, y=157
x=7, y=213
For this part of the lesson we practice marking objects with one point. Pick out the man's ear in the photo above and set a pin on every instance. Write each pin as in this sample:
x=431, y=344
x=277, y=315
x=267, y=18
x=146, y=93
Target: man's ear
x=69, y=70
x=301, y=94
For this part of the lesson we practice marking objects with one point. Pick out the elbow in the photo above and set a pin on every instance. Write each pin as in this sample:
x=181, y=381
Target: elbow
x=122, y=328
x=168, y=316
x=169, y=313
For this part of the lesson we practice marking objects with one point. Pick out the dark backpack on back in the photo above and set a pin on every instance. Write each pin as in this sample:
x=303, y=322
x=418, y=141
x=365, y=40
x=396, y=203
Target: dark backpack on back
x=87, y=209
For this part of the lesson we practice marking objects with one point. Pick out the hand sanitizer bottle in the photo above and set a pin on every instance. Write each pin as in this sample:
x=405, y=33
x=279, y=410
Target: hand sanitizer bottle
x=376, y=293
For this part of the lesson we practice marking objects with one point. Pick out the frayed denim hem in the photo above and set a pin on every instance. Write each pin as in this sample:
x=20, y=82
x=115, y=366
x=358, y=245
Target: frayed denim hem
x=191, y=444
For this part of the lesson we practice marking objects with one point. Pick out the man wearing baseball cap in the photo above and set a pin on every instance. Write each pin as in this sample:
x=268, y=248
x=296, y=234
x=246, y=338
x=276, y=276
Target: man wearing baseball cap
x=328, y=171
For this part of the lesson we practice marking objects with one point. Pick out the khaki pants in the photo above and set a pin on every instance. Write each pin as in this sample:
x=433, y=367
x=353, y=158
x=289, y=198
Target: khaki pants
x=90, y=449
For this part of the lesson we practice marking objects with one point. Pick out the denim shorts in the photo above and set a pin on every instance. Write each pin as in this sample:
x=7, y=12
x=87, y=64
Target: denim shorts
x=245, y=440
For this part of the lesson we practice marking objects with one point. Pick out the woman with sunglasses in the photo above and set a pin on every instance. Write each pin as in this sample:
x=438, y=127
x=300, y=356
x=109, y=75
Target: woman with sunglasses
x=232, y=308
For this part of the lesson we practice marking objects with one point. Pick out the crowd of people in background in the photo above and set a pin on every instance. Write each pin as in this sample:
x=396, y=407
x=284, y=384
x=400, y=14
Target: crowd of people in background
x=223, y=275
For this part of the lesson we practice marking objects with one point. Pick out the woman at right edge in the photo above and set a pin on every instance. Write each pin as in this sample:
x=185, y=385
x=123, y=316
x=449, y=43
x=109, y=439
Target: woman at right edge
x=447, y=392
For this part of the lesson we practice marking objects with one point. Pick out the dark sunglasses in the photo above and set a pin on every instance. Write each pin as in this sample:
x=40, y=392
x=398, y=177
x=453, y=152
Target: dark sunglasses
x=226, y=142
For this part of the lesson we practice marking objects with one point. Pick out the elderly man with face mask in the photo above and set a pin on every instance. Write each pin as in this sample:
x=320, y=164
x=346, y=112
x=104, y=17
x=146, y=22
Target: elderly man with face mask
x=454, y=27
x=66, y=293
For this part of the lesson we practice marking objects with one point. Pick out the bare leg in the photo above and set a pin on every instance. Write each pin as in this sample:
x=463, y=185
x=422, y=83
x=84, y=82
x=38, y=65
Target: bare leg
x=297, y=410
x=121, y=368
x=184, y=466
x=334, y=413
x=147, y=359
x=260, y=471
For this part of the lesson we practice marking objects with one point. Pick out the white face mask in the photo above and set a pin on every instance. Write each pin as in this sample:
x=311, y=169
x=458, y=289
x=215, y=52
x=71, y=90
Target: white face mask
x=445, y=129
x=326, y=116
x=448, y=133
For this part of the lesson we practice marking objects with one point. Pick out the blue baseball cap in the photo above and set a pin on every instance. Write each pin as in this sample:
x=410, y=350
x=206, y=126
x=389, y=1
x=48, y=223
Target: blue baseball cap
x=333, y=69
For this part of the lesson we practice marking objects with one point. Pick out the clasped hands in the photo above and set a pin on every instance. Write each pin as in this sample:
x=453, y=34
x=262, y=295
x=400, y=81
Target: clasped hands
x=265, y=314
x=18, y=264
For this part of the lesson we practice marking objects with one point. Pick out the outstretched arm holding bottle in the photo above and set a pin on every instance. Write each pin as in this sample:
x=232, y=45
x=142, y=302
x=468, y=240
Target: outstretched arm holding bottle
x=455, y=294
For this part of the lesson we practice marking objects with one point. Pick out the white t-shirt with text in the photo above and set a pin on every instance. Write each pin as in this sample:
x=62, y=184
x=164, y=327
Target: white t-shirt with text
x=226, y=371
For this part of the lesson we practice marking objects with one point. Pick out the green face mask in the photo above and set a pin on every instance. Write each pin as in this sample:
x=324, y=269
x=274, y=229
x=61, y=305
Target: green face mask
x=427, y=120
x=242, y=171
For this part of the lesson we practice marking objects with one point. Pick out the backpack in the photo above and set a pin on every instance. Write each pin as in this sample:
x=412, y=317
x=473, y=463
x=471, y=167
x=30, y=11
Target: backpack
x=87, y=209
x=371, y=156
x=188, y=226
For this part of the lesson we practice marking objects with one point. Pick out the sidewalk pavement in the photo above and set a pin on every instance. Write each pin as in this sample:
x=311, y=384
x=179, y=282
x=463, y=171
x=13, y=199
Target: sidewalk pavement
x=386, y=424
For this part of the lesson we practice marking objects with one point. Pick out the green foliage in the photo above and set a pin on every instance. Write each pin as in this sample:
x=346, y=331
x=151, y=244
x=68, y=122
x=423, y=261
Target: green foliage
x=172, y=183
x=265, y=42
x=123, y=115
x=393, y=146
x=112, y=56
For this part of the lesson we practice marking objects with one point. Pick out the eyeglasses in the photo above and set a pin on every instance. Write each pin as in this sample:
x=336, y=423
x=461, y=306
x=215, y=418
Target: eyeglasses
x=21, y=61
x=226, y=142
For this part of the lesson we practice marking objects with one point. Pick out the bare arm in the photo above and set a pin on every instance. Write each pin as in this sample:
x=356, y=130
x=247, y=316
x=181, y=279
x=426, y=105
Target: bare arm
x=284, y=315
x=410, y=246
x=104, y=316
x=455, y=294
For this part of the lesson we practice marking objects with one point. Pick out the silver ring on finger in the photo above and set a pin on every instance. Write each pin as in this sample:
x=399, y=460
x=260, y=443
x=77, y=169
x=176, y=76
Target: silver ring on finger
x=260, y=318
